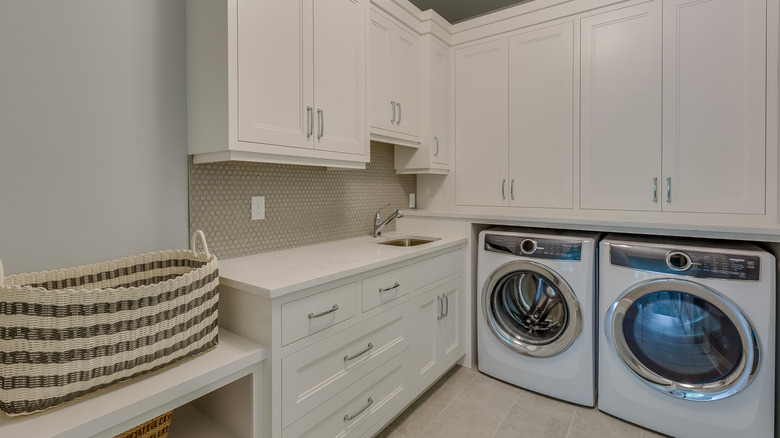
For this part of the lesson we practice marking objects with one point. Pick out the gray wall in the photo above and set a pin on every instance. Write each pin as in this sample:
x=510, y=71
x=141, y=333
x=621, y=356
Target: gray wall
x=93, y=153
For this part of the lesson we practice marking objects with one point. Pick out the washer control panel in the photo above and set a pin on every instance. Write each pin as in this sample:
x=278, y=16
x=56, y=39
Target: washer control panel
x=534, y=247
x=698, y=264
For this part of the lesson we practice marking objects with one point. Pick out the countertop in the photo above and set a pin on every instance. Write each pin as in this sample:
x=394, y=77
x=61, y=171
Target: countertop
x=277, y=273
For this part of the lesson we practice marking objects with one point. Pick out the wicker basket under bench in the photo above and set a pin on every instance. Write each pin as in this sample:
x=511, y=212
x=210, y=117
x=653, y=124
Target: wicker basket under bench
x=69, y=332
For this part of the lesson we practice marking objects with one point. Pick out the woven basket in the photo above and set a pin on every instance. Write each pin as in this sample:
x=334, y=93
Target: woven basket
x=154, y=428
x=66, y=333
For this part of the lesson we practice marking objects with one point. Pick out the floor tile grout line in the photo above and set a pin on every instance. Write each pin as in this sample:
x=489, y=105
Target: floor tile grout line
x=507, y=415
x=571, y=422
x=452, y=400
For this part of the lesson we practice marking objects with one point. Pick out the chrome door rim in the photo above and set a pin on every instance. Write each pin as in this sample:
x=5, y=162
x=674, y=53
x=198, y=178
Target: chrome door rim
x=562, y=342
x=733, y=383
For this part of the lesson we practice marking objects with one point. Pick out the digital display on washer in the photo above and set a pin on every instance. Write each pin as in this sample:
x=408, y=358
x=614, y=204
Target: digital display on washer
x=541, y=248
x=698, y=264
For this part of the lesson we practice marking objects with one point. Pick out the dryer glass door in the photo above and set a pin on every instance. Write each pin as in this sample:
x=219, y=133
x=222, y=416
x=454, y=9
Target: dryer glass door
x=531, y=310
x=684, y=339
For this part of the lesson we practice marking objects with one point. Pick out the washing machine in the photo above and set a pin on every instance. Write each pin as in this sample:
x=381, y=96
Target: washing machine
x=536, y=311
x=687, y=336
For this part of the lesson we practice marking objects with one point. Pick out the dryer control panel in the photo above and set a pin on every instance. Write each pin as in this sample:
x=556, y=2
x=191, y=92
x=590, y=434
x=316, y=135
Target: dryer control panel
x=534, y=247
x=692, y=263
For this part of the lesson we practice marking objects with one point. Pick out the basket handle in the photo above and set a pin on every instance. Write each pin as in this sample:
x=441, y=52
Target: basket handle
x=195, y=235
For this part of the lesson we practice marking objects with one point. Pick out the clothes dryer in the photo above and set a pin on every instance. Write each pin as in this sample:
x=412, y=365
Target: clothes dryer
x=687, y=337
x=536, y=311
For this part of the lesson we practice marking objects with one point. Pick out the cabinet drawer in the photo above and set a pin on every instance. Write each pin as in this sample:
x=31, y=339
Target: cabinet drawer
x=436, y=268
x=353, y=411
x=309, y=315
x=315, y=374
x=386, y=287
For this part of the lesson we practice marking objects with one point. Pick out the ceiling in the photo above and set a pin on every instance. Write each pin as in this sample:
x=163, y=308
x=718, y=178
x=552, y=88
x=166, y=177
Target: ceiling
x=459, y=10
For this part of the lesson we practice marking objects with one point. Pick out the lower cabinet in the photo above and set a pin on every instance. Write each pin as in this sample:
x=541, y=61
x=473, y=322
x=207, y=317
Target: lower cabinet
x=435, y=326
x=349, y=355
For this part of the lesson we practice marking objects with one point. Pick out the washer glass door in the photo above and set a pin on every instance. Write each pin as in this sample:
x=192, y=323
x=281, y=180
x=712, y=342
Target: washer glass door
x=531, y=309
x=683, y=339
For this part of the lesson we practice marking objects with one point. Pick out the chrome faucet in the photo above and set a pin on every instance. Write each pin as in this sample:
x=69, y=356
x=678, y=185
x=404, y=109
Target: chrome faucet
x=379, y=223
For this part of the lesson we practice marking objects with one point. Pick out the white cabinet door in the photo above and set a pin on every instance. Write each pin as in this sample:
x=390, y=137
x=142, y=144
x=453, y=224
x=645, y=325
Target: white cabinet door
x=339, y=76
x=394, y=77
x=436, y=343
x=439, y=59
x=405, y=63
x=382, y=113
x=621, y=109
x=274, y=72
x=481, y=123
x=449, y=344
x=426, y=308
x=541, y=121
x=714, y=105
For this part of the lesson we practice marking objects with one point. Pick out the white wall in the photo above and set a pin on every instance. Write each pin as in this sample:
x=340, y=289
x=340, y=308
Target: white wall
x=93, y=153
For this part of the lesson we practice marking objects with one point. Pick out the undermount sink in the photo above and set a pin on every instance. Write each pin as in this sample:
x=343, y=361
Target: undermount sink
x=409, y=241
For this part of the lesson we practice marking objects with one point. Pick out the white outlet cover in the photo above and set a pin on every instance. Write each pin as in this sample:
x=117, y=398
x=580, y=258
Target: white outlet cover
x=258, y=207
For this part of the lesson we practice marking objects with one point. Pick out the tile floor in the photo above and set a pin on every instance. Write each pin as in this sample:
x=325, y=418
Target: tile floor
x=468, y=404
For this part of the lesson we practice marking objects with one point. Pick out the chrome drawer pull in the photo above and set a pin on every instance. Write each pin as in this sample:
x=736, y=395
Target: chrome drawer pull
x=655, y=189
x=436, y=139
x=310, y=120
x=348, y=357
x=322, y=124
x=392, y=104
x=669, y=189
x=446, y=306
x=317, y=315
x=441, y=308
x=389, y=288
x=399, y=113
x=350, y=417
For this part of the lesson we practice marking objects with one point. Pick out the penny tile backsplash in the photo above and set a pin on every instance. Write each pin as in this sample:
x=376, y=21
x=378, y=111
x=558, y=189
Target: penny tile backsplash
x=304, y=205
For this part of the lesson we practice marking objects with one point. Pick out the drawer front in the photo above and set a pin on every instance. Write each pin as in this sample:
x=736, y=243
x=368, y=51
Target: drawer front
x=317, y=373
x=436, y=268
x=309, y=315
x=353, y=411
x=386, y=287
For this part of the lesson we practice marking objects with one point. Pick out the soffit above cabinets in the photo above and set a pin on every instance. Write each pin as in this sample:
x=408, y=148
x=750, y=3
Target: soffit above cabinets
x=460, y=10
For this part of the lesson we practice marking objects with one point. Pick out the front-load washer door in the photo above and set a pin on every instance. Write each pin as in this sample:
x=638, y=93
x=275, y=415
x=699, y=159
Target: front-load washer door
x=683, y=339
x=530, y=309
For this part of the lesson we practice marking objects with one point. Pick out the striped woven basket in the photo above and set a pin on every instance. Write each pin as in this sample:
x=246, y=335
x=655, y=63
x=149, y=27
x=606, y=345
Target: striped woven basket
x=69, y=332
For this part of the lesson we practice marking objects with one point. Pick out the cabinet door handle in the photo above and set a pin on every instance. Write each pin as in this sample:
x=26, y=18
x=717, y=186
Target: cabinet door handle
x=655, y=189
x=446, y=306
x=392, y=105
x=512, y=189
x=310, y=120
x=503, y=189
x=441, y=308
x=349, y=417
x=436, y=152
x=399, y=112
x=322, y=123
x=397, y=284
x=317, y=315
x=669, y=189
x=366, y=350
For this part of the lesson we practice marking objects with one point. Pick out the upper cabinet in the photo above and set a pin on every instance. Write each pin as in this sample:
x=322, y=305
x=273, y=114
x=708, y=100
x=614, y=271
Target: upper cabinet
x=394, y=81
x=541, y=117
x=514, y=120
x=481, y=123
x=433, y=155
x=673, y=114
x=621, y=109
x=278, y=81
x=714, y=70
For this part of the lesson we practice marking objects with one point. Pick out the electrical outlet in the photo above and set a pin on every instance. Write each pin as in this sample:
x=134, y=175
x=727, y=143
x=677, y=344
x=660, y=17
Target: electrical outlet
x=258, y=207
x=412, y=200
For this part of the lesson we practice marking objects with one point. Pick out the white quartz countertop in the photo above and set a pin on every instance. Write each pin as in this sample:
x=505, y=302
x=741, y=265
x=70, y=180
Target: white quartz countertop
x=278, y=273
